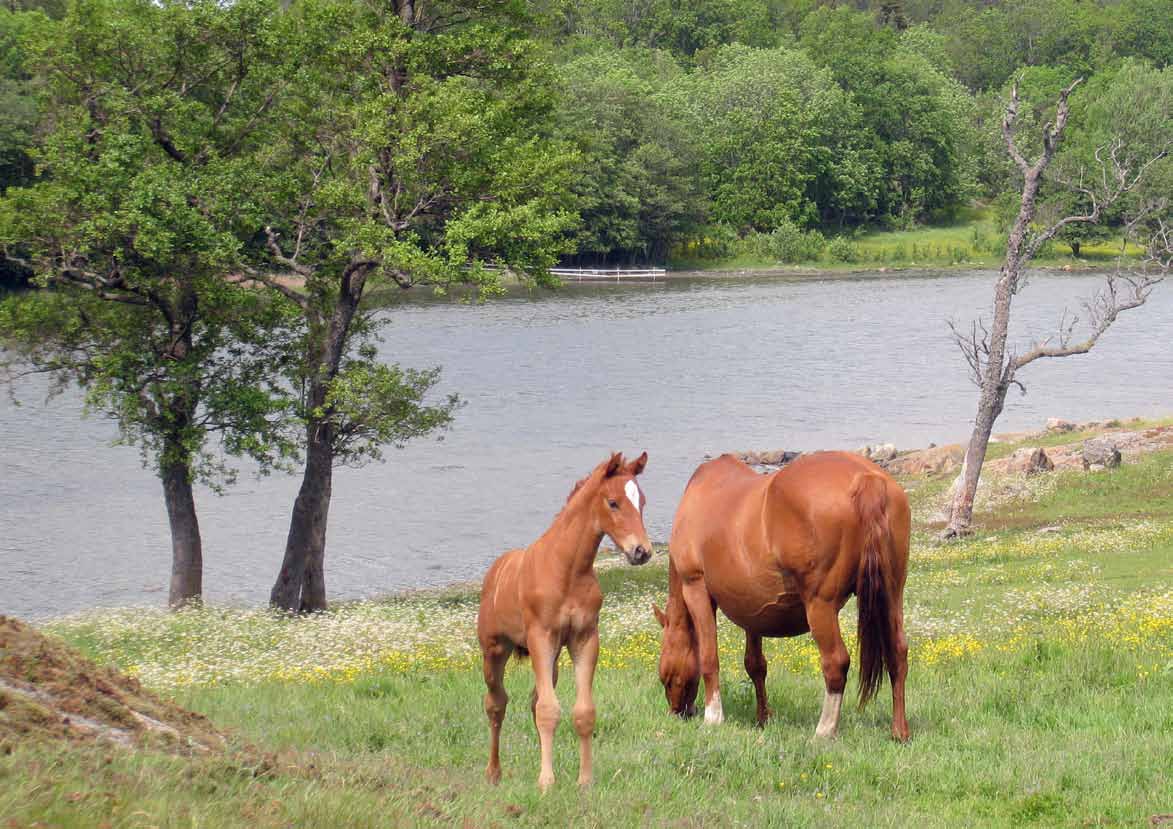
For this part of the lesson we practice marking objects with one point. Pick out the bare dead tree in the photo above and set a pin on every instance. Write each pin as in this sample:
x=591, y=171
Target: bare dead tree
x=994, y=368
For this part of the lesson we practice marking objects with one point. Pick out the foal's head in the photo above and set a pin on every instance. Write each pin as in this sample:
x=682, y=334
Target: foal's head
x=680, y=670
x=616, y=505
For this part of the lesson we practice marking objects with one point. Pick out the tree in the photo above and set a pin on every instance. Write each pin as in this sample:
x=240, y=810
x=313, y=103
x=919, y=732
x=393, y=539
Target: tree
x=413, y=149
x=141, y=216
x=994, y=366
x=777, y=139
x=637, y=186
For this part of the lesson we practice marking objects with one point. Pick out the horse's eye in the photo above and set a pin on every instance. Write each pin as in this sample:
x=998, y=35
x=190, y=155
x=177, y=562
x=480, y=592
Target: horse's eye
x=613, y=504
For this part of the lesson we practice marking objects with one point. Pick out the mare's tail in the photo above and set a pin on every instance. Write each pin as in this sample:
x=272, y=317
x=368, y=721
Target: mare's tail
x=873, y=585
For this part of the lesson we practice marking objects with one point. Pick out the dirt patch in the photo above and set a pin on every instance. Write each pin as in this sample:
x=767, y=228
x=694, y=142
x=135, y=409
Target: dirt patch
x=50, y=691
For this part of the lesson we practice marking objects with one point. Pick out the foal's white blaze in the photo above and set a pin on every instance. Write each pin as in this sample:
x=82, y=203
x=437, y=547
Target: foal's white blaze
x=713, y=713
x=829, y=722
x=632, y=490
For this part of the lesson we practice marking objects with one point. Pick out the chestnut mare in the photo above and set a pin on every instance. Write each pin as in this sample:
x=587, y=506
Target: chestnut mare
x=780, y=554
x=546, y=597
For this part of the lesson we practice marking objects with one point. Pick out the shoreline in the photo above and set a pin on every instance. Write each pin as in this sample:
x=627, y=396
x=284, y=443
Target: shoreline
x=1001, y=444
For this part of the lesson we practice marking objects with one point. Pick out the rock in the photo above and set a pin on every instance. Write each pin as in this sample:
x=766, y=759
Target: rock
x=936, y=460
x=1100, y=453
x=1058, y=424
x=878, y=452
x=1029, y=460
x=1066, y=457
x=777, y=457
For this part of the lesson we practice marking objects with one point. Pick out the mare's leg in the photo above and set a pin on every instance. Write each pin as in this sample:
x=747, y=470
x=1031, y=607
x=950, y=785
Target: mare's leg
x=899, y=671
x=704, y=619
x=544, y=651
x=584, y=650
x=823, y=618
x=496, y=656
x=755, y=666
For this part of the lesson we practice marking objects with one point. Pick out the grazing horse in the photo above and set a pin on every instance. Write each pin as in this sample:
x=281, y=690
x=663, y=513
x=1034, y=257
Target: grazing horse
x=546, y=597
x=779, y=554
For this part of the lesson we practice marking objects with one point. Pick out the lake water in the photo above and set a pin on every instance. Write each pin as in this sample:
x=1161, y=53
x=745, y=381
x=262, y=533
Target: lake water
x=553, y=382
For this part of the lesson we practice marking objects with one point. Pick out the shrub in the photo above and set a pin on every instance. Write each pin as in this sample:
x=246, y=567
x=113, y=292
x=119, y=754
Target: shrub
x=843, y=250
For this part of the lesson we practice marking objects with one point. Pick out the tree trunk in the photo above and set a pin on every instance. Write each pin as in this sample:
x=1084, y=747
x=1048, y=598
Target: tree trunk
x=187, y=556
x=1075, y=245
x=301, y=584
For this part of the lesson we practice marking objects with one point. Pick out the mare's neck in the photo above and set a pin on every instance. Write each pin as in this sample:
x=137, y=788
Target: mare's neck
x=676, y=611
x=572, y=541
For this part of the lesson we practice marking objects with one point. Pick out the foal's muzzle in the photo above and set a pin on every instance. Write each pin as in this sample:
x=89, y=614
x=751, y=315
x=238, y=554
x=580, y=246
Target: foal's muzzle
x=639, y=555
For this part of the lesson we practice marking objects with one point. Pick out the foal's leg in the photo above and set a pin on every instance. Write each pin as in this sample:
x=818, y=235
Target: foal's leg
x=496, y=656
x=704, y=619
x=544, y=653
x=584, y=650
x=755, y=666
x=823, y=618
x=899, y=671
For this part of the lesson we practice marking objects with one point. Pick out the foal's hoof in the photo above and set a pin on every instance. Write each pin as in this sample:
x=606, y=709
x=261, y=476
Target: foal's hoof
x=901, y=735
x=584, y=782
x=492, y=776
x=764, y=718
x=545, y=782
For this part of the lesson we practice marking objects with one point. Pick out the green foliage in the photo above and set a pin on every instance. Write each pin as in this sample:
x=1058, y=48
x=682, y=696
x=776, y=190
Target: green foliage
x=777, y=138
x=843, y=250
x=372, y=405
x=636, y=186
x=788, y=243
x=144, y=208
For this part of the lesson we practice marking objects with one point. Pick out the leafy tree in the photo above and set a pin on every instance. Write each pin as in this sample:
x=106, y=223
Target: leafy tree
x=143, y=212
x=413, y=147
x=777, y=137
x=637, y=187
x=913, y=119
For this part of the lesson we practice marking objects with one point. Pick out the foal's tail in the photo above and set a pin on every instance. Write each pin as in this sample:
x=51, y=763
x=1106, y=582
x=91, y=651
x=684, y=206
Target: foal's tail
x=873, y=585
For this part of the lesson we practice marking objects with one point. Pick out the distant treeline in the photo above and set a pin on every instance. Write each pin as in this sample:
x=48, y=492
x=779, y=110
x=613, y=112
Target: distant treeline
x=694, y=125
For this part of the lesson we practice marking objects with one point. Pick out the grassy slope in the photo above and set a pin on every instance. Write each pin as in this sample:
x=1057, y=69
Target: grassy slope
x=1041, y=693
x=972, y=241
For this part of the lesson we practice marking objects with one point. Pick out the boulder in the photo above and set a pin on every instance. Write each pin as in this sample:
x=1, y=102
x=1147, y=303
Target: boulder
x=1030, y=460
x=936, y=460
x=777, y=457
x=1058, y=424
x=1100, y=453
x=878, y=452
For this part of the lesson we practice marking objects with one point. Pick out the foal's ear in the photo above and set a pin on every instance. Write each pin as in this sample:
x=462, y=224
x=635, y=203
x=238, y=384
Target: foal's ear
x=660, y=617
x=613, y=465
x=637, y=465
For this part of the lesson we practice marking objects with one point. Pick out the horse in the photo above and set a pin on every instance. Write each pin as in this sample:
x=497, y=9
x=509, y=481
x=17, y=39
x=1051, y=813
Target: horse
x=543, y=598
x=780, y=554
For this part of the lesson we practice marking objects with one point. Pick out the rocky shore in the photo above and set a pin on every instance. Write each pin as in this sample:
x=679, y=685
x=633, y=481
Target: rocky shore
x=1101, y=444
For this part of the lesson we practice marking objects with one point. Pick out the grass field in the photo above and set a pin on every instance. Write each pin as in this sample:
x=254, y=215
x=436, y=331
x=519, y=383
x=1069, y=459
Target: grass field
x=1040, y=693
x=972, y=241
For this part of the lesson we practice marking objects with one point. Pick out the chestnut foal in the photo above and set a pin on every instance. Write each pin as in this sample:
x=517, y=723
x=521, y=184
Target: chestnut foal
x=780, y=554
x=546, y=597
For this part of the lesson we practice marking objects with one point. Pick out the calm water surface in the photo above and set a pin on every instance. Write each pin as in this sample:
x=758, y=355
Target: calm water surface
x=553, y=382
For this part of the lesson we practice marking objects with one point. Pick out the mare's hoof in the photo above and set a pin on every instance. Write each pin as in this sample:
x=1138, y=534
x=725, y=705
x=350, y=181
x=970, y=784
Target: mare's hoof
x=544, y=783
x=901, y=736
x=492, y=776
x=765, y=718
x=584, y=782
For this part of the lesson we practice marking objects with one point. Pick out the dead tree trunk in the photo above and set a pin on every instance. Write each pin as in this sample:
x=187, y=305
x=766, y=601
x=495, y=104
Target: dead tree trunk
x=993, y=367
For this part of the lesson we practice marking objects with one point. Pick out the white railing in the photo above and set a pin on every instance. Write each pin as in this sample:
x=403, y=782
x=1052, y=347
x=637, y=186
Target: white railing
x=618, y=274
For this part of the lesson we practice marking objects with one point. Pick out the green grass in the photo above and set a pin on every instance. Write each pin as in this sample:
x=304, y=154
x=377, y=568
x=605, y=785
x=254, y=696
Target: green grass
x=973, y=241
x=1040, y=693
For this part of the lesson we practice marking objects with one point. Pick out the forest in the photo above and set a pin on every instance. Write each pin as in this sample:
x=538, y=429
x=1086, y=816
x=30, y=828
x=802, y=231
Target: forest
x=779, y=126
